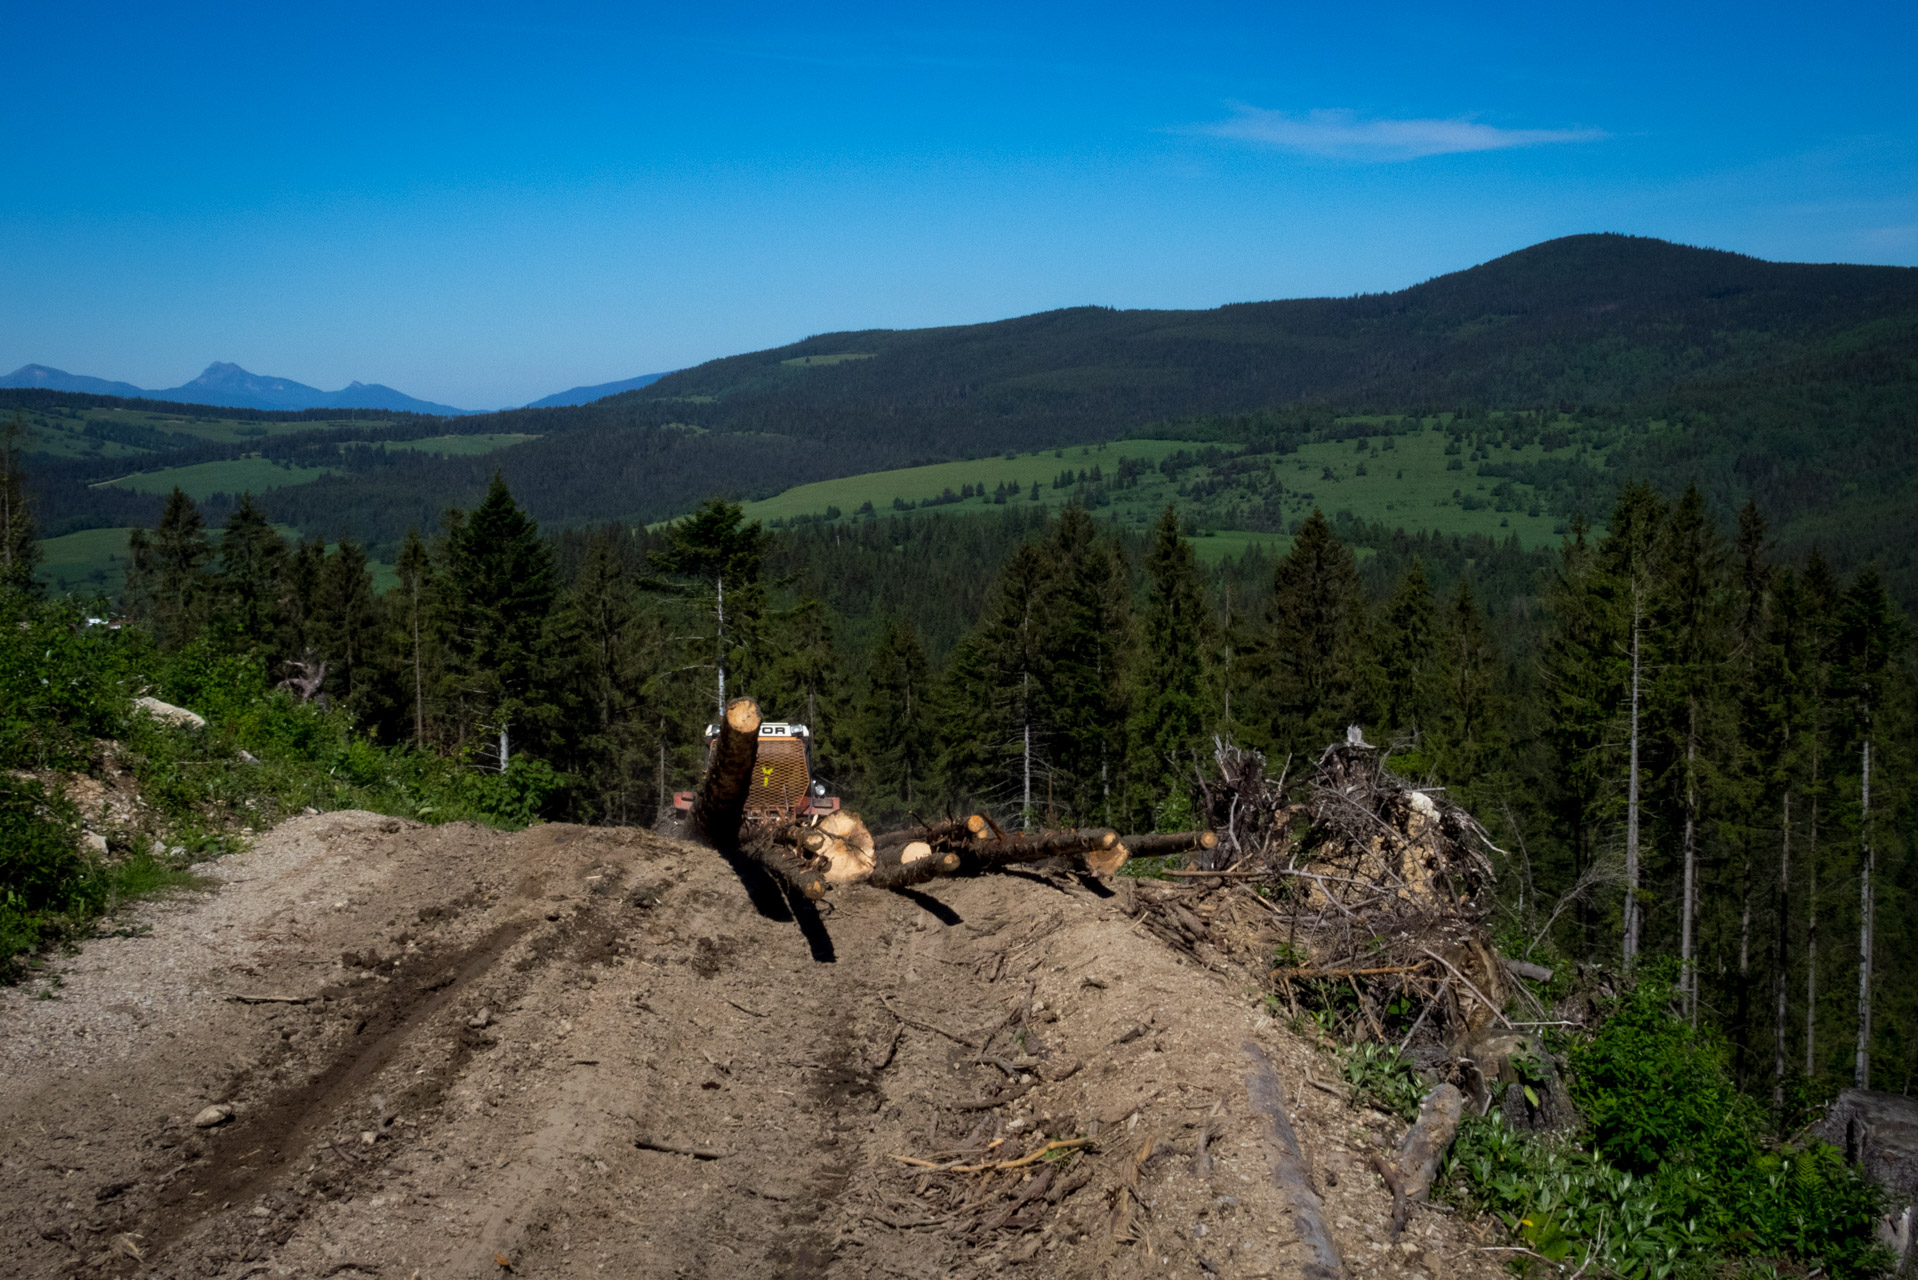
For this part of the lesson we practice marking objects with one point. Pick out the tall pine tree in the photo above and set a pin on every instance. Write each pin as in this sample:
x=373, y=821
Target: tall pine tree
x=1169, y=702
x=499, y=594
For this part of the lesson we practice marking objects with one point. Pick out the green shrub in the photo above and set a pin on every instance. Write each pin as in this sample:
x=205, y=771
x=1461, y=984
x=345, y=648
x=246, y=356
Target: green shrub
x=1657, y=1092
x=42, y=873
x=1672, y=1177
x=64, y=684
x=1381, y=1078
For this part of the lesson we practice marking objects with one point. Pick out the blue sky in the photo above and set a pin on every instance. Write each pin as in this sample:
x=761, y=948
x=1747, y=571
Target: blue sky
x=481, y=204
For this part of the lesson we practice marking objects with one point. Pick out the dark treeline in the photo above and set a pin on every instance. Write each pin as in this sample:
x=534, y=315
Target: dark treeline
x=1691, y=746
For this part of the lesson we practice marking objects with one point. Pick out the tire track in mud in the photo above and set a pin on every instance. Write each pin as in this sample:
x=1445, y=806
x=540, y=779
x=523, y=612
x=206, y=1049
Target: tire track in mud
x=287, y=1127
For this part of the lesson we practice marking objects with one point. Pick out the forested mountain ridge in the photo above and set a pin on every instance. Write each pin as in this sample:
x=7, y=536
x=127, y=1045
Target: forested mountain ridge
x=1598, y=319
x=1791, y=383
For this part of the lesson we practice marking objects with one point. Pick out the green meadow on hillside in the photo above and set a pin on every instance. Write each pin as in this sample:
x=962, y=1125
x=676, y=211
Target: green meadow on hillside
x=93, y=560
x=464, y=446
x=234, y=475
x=1408, y=481
x=112, y=432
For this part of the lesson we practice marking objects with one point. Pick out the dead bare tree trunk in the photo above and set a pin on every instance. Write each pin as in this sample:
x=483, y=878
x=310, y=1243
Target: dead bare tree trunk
x=1687, y=964
x=1780, y=951
x=1867, y=866
x=1631, y=801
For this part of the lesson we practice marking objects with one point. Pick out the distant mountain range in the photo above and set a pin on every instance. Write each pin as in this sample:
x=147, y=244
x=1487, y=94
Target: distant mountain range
x=231, y=387
x=586, y=395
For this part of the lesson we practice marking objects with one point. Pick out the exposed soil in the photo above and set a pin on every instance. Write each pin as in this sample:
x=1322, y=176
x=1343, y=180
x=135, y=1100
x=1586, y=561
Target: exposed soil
x=590, y=1052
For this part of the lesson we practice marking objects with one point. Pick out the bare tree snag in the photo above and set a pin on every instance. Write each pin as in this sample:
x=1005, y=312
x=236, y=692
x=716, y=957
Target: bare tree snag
x=1288, y=1169
x=721, y=805
x=1422, y=1148
x=1160, y=844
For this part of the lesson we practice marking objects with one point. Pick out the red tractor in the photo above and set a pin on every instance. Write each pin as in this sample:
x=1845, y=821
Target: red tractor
x=783, y=789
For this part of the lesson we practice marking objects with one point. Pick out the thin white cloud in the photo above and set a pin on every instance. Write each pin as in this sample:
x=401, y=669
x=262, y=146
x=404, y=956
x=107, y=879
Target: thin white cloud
x=1344, y=135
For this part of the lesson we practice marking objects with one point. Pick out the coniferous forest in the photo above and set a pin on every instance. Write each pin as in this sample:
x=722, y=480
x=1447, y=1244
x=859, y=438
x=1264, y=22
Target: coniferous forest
x=1692, y=748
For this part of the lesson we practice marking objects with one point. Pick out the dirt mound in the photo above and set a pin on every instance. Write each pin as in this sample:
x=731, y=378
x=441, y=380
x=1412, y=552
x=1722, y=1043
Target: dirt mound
x=588, y=1052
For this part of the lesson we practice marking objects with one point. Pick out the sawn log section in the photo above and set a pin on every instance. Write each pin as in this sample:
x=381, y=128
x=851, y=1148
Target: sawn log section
x=809, y=857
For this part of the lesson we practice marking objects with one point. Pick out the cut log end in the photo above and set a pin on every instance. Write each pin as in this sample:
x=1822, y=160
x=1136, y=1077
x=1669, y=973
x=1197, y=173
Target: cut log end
x=742, y=716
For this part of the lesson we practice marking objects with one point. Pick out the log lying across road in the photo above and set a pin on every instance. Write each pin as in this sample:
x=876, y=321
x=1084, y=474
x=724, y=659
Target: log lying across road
x=808, y=856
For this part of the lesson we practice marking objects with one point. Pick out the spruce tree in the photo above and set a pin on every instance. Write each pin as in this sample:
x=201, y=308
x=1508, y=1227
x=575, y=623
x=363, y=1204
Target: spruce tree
x=248, y=583
x=1584, y=678
x=1314, y=647
x=499, y=595
x=19, y=538
x=717, y=560
x=1629, y=559
x=1169, y=708
x=1688, y=705
x=995, y=730
x=1471, y=712
x=1821, y=593
x=167, y=582
x=1409, y=654
x=895, y=732
x=1869, y=637
x=1091, y=635
x=415, y=569
x=345, y=622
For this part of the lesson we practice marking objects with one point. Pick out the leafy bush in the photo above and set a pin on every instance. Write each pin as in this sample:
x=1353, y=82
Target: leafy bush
x=41, y=870
x=1380, y=1077
x=1672, y=1177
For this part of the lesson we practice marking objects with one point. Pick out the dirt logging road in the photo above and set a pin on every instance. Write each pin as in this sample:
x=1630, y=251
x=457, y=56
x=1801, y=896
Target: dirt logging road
x=381, y=1049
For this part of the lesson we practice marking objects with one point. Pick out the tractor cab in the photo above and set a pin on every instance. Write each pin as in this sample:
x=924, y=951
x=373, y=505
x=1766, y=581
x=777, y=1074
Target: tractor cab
x=783, y=788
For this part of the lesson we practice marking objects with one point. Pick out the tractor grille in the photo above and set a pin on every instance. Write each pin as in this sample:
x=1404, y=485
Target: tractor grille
x=780, y=778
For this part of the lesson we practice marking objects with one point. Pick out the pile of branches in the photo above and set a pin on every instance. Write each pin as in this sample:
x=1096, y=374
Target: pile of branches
x=1361, y=893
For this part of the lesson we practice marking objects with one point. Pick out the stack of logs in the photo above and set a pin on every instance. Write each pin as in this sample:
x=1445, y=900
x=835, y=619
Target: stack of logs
x=808, y=856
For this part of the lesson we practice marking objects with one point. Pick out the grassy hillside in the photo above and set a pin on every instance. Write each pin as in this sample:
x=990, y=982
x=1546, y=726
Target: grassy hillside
x=231, y=476
x=1411, y=477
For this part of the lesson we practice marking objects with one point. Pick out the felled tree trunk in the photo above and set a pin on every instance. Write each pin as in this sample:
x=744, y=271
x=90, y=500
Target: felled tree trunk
x=1421, y=1150
x=721, y=804
x=1160, y=844
x=1097, y=848
x=914, y=862
x=1287, y=1162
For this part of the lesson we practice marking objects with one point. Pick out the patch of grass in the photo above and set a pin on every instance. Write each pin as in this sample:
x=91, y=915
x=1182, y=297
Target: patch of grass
x=234, y=475
x=131, y=433
x=93, y=560
x=813, y=362
x=917, y=484
x=1408, y=481
x=464, y=446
